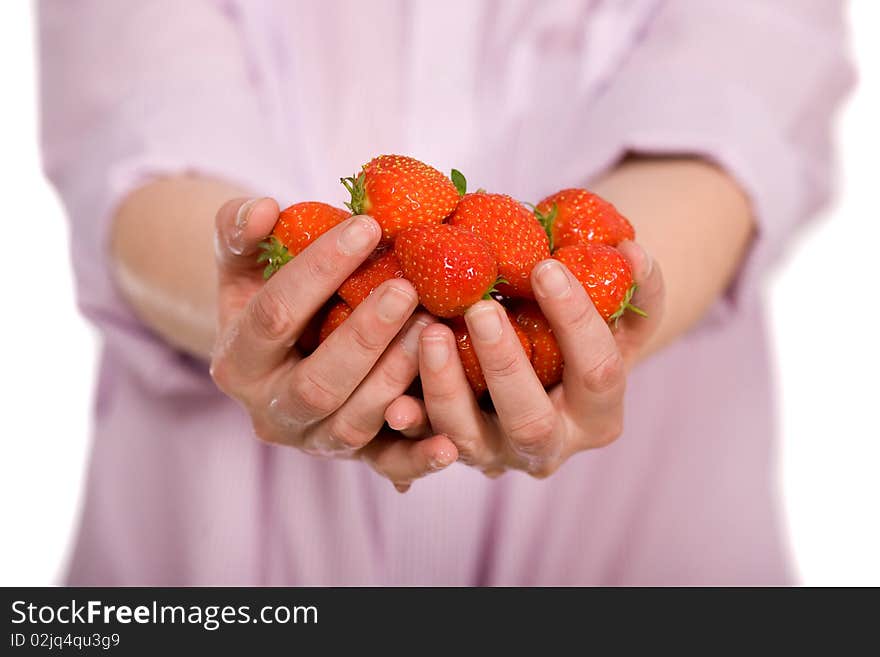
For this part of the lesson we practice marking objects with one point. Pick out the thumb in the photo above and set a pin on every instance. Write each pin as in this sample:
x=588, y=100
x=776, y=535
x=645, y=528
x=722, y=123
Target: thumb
x=240, y=226
x=635, y=333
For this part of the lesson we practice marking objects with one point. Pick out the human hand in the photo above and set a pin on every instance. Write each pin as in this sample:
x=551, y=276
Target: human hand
x=530, y=429
x=333, y=402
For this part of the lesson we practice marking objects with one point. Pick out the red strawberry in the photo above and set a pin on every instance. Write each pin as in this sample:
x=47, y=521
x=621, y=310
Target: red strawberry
x=518, y=240
x=468, y=356
x=337, y=314
x=605, y=275
x=296, y=228
x=450, y=268
x=381, y=266
x=399, y=192
x=577, y=215
x=546, y=355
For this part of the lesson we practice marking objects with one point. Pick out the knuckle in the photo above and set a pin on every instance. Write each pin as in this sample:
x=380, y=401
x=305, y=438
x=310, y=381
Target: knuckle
x=467, y=450
x=347, y=435
x=264, y=431
x=395, y=377
x=442, y=392
x=606, y=375
x=219, y=371
x=315, y=398
x=271, y=315
x=543, y=469
x=581, y=314
x=367, y=341
x=532, y=434
x=373, y=460
x=493, y=472
x=318, y=266
x=504, y=365
x=610, y=431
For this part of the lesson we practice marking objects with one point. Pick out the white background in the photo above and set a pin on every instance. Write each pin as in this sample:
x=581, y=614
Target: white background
x=825, y=321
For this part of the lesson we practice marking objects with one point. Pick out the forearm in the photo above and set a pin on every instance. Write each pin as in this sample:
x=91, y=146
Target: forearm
x=163, y=256
x=695, y=222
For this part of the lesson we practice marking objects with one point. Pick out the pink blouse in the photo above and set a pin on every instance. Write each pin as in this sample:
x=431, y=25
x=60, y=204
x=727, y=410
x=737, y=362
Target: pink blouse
x=525, y=97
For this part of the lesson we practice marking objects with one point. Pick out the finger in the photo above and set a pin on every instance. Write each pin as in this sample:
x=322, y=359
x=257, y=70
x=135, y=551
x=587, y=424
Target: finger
x=276, y=316
x=240, y=226
x=452, y=407
x=409, y=416
x=362, y=416
x=593, y=378
x=525, y=413
x=321, y=383
x=403, y=461
x=634, y=332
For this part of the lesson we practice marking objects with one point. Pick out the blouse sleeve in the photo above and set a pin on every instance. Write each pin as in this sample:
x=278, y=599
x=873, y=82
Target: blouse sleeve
x=750, y=85
x=132, y=90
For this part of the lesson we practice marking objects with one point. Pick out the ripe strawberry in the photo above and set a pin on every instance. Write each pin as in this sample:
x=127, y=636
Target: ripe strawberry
x=296, y=228
x=381, y=266
x=337, y=314
x=546, y=356
x=516, y=237
x=577, y=215
x=605, y=275
x=399, y=192
x=468, y=356
x=450, y=267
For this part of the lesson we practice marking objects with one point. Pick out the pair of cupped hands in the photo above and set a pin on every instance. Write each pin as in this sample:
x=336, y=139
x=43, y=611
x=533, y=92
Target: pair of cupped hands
x=348, y=398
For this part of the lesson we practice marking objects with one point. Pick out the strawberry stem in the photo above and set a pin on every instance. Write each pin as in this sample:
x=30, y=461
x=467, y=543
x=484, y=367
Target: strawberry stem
x=274, y=254
x=355, y=186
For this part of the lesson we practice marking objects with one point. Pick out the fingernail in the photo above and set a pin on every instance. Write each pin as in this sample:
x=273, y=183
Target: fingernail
x=435, y=352
x=551, y=281
x=484, y=322
x=241, y=218
x=236, y=237
x=442, y=459
x=396, y=423
x=402, y=488
x=410, y=342
x=357, y=236
x=393, y=304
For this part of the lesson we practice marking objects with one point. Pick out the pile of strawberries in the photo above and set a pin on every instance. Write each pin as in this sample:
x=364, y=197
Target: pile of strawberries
x=457, y=248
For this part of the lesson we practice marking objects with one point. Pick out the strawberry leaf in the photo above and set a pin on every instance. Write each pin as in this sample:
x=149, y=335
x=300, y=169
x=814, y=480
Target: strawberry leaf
x=494, y=289
x=546, y=220
x=459, y=181
x=274, y=254
x=626, y=305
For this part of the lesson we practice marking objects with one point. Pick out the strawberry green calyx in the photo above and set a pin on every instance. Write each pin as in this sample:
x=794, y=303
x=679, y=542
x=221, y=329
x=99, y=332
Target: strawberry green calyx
x=275, y=255
x=460, y=182
x=626, y=305
x=494, y=289
x=355, y=186
x=546, y=220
